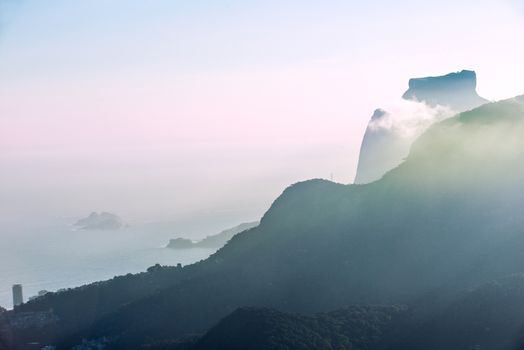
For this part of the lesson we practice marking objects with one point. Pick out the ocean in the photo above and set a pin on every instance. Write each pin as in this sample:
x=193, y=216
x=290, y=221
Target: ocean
x=54, y=256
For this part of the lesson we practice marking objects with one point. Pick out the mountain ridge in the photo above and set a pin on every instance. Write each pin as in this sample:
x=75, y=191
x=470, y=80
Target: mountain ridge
x=426, y=227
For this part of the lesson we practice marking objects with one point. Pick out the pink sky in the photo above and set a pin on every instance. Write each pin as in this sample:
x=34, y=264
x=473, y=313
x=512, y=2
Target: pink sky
x=156, y=115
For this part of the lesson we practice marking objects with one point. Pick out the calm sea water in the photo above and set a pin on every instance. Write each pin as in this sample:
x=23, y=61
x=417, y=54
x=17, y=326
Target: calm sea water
x=54, y=256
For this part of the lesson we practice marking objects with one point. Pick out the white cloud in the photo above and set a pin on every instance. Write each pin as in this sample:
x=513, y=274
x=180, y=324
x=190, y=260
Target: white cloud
x=410, y=118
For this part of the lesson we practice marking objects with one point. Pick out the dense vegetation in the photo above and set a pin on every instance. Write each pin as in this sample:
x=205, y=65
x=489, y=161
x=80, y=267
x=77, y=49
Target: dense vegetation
x=482, y=318
x=489, y=317
x=447, y=220
x=356, y=327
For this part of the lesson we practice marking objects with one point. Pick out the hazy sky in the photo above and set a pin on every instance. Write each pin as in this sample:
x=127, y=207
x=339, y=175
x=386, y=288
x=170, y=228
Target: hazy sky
x=172, y=109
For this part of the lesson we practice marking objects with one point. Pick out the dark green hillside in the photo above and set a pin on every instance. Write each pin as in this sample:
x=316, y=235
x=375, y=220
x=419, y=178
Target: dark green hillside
x=356, y=328
x=488, y=317
x=446, y=220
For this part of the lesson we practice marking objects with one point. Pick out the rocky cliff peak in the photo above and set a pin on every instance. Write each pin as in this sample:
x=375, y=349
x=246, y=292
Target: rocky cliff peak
x=383, y=149
x=455, y=90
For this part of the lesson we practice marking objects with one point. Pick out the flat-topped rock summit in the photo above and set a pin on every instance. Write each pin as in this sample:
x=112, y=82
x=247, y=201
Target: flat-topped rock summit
x=454, y=90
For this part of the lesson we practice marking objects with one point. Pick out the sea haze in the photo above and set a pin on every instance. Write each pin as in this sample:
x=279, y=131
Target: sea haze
x=55, y=255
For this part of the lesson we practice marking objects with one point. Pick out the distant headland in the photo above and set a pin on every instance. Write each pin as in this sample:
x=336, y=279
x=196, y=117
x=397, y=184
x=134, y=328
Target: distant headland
x=213, y=241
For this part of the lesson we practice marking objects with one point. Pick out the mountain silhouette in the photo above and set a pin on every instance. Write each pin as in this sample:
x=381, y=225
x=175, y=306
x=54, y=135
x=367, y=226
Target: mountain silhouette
x=447, y=220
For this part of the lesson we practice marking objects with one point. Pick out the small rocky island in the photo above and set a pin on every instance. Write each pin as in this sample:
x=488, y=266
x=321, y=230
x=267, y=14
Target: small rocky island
x=181, y=243
x=100, y=221
x=213, y=241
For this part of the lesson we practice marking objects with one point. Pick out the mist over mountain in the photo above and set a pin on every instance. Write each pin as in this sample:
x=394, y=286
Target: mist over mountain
x=445, y=221
x=390, y=133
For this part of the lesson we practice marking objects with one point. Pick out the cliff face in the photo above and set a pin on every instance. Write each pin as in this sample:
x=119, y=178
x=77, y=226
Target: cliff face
x=384, y=148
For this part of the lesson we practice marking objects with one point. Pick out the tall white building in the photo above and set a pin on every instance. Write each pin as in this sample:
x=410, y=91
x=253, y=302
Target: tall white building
x=18, y=296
